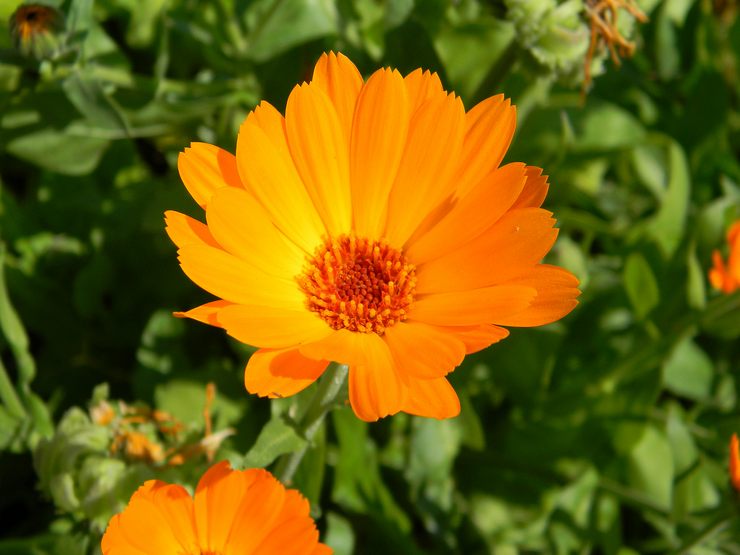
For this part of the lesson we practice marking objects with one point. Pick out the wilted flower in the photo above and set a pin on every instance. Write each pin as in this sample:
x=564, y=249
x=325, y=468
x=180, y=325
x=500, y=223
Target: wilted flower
x=372, y=226
x=726, y=277
x=233, y=511
x=34, y=28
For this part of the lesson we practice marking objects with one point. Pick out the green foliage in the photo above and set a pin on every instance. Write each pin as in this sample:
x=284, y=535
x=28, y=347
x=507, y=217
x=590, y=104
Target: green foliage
x=606, y=432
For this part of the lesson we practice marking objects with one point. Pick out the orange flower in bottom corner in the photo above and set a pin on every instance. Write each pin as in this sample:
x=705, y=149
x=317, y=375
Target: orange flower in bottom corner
x=244, y=512
x=726, y=278
x=735, y=462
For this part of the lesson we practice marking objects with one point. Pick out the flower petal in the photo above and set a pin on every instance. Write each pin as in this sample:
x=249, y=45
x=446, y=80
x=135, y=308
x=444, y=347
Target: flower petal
x=423, y=351
x=375, y=387
x=320, y=152
x=429, y=161
x=485, y=204
x=205, y=313
x=476, y=338
x=557, y=290
x=378, y=136
x=294, y=531
x=535, y=189
x=232, y=279
x=422, y=86
x=490, y=127
x=268, y=172
x=281, y=372
x=184, y=230
x=272, y=327
x=518, y=241
x=432, y=398
x=205, y=168
x=338, y=77
x=243, y=228
x=487, y=305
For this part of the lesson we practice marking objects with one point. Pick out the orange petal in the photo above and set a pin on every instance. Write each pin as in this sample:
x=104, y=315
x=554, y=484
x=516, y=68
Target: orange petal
x=490, y=127
x=476, y=338
x=204, y=168
x=232, y=279
x=429, y=161
x=378, y=136
x=735, y=462
x=487, y=305
x=423, y=351
x=243, y=228
x=294, y=531
x=146, y=527
x=320, y=152
x=338, y=77
x=535, y=189
x=281, y=373
x=518, y=241
x=268, y=172
x=184, y=230
x=205, y=313
x=422, y=86
x=432, y=398
x=375, y=387
x=272, y=327
x=557, y=290
x=488, y=201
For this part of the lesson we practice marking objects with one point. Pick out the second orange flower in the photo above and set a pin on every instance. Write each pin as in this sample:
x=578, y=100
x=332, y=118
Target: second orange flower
x=373, y=225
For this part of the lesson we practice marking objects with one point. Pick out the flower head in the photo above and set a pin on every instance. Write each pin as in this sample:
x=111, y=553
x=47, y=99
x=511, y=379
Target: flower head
x=33, y=27
x=373, y=226
x=233, y=512
x=726, y=278
x=735, y=462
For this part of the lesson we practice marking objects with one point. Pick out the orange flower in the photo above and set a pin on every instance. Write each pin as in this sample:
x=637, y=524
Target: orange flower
x=727, y=278
x=33, y=27
x=735, y=462
x=233, y=512
x=372, y=226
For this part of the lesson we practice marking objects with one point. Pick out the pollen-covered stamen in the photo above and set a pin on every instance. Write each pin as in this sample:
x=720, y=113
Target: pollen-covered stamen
x=358, y=284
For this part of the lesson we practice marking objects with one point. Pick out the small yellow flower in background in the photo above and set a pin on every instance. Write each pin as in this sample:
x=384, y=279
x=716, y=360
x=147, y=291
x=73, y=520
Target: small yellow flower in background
x=245, y=512
x=735, y=462
x=726, y=278
x=372, y=226
x=34, y=28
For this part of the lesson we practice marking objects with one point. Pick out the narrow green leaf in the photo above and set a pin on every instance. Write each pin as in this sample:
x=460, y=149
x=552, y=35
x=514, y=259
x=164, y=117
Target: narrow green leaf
x=276, y=438
x=641, y=285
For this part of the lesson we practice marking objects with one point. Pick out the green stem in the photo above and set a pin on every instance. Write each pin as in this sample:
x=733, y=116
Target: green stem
x=9, y=396
x=313, y=417
x=714, y=527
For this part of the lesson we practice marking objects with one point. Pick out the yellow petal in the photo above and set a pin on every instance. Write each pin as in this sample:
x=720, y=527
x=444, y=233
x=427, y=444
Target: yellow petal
x=320, y=151
x=378, y=136
x=232, y=279
x=268, y=172
x=430, y=158
x=477, y=306
x=423, y=351
x=281, y=372
x=422, y=86
x=243, y=228
x=338, y=77
x=205, y=168
x=205, y=313
x=490, y=127
x=534, y=191
x=476, y=338
x=272, y=327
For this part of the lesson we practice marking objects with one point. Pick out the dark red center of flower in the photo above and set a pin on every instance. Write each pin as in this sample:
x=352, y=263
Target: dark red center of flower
x=358, y=284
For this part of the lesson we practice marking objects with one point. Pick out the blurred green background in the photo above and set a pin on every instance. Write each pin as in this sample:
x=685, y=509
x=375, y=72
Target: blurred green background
x=604, y=433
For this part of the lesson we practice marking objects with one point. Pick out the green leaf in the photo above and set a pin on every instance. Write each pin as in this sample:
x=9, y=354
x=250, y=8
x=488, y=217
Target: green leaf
x=59, y=151
x=276, y=26
x=339, y=535
x=688, y=371
x=641, y=285
x=650, y=467
x=624, y=130
x=696, y=291
x=277, y=438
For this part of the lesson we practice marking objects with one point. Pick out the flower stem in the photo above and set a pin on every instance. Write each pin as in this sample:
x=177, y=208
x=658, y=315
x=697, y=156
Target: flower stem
x=714, y=527
x=313, y=417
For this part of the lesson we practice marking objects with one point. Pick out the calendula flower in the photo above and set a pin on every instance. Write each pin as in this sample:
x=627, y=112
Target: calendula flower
x=735, y=462
x=726, y=278
x=233, y=512
x=372, y=226
x=34, y=28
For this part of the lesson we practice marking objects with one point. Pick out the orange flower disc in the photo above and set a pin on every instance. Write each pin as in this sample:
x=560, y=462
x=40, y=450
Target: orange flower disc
x=372, y=225
x=233, y=512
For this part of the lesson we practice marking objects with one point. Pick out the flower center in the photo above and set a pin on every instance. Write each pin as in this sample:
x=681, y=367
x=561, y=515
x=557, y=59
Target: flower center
x=358, y=284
